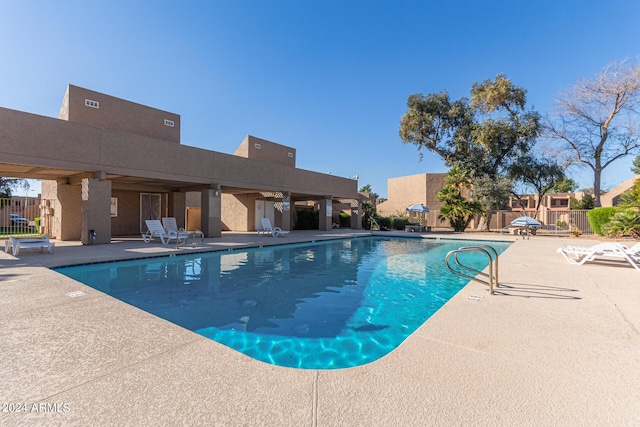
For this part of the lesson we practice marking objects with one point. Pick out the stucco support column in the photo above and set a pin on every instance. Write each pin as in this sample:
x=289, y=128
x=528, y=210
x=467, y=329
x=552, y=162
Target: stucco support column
x=284, y=211
x=177, y=207
x=96, y=211
x=356, y=215
x=325, y=219
x=211, y=212
x=63, y=219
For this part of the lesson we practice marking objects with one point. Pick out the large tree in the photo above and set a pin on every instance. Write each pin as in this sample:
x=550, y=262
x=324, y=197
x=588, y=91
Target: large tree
x=539, y=174
x=483, y=134
x=7, y=185
x=597, y=120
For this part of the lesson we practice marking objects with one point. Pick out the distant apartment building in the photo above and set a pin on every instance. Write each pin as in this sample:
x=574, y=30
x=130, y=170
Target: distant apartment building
x=423, y=188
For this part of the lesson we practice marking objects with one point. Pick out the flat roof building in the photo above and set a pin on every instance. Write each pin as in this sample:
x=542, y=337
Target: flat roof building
x=108, y=164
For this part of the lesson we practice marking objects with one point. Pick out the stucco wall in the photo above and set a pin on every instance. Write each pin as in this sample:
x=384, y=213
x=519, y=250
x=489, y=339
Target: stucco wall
x=51, y=143
x=118, y=114
x=408, y=190
x=261, y=149
x=238, y=212
x=127, y=223
x=65, y=202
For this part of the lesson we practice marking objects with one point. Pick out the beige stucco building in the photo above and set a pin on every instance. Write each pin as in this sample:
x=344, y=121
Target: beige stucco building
x=412, y=189
x=108, y=164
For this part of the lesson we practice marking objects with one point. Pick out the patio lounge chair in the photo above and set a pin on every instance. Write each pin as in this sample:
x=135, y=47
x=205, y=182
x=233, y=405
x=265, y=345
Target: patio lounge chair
x=16, y=244
x=171, y=226
x=155, y=229
x=580, y=255
x=268, y=229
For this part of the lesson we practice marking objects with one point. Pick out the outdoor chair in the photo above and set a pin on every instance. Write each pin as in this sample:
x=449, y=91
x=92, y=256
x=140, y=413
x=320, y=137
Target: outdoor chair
x=15, y=244
x=268, y=229
x=579, y=255
x=171, y=226
x=155, y=229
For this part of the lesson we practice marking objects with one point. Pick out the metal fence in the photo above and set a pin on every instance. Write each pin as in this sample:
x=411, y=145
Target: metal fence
x=565, y=221
x=553, y=221
x=19, y=216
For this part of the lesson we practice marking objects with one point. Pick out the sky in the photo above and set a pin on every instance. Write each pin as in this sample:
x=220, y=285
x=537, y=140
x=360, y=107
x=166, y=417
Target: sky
x=328, y=78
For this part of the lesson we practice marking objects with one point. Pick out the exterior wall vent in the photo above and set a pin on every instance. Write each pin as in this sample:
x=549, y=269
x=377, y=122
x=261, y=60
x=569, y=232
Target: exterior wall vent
x=168, y=122
x=290, y=154
x=92, y=104
x=256, y=145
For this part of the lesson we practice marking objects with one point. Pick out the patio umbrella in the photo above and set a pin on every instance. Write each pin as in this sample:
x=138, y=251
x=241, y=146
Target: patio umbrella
x=525, y=221
x=417, y=208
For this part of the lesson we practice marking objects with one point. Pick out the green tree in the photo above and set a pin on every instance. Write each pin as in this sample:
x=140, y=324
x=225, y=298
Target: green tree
x=367, y=189
x=587, y=202
x=539, y=174
x=7, y=185
x=596, y=121
x=636, y=166
x=493, y=194
x=368, y=212
x=631, y=198
x=565, y=185
x=482, y=135
x=457, y=209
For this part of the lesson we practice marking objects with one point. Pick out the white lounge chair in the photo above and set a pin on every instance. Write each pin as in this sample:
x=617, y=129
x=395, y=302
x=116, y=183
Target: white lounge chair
x=268, y=229
x=580, y=255
x=155, y=229
x=16, y=244
x=171, y=226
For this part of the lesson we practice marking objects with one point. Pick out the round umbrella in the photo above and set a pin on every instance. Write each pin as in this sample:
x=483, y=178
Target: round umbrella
x=417, y=208
x=525, y=221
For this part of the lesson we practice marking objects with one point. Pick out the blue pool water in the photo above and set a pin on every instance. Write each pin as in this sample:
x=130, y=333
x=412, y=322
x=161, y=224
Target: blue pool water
x=326, y=305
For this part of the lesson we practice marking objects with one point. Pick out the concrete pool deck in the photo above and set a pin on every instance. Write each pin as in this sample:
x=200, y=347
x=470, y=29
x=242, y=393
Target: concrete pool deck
x=558, y=344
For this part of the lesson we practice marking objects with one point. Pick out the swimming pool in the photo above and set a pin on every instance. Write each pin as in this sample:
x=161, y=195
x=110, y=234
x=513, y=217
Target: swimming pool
x=325, y=305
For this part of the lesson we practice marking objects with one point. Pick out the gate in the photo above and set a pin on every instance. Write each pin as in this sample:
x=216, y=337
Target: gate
x=566, y=221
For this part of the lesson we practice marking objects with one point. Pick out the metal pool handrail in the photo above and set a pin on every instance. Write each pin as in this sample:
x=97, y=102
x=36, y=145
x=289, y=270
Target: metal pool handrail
x=491, y=254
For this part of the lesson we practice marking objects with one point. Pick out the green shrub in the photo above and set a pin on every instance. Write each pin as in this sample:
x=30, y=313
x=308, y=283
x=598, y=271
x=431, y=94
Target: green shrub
x=624, y=222
x=37, y=222
x=345, y=219
x=384, y=222
x=599, y=217
x=399, y=222
x=563, y=225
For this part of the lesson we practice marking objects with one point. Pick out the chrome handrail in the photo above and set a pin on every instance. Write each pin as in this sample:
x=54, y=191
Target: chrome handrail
x=373, y=221
x=491, y=254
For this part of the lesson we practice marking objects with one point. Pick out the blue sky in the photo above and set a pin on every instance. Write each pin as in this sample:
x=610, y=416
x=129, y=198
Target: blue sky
x=329, y=78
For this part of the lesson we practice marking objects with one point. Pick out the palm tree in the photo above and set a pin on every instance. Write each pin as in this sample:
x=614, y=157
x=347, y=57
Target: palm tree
x=457, y=210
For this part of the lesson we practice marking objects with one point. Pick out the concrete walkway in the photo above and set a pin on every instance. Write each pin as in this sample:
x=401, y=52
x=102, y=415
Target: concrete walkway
x=558, y=344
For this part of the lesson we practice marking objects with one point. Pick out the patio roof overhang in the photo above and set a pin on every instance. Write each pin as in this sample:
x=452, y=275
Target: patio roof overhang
x=38, y=147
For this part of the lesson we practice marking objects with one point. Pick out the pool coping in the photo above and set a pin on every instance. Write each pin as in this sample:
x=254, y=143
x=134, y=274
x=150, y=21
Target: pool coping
x=510, y=358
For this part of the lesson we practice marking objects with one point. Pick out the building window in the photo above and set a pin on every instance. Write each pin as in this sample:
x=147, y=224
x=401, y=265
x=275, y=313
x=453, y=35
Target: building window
x=92, y=104
x=258, y=146
x=168, y=122
x=290, y=154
